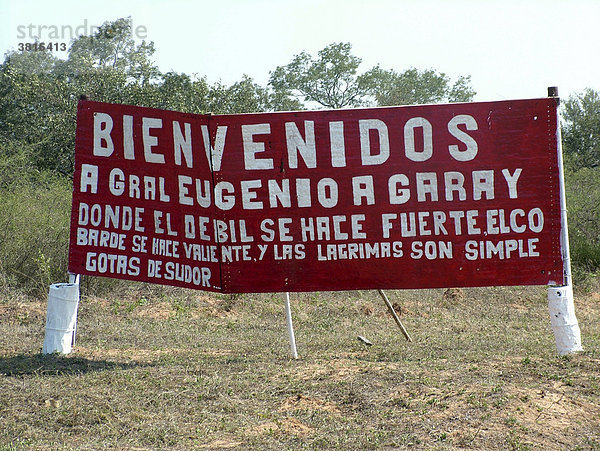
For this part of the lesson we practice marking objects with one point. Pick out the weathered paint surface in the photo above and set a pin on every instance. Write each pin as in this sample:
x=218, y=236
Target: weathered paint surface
x=400, y=197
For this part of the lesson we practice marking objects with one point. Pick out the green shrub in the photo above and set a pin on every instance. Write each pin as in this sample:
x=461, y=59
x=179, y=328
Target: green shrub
x=34, y=231
x=35, y=210
x=583, y=204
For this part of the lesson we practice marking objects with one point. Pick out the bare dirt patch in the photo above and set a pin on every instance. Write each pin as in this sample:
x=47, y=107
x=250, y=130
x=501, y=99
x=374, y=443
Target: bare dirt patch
x=524, y=411
x=295, y=427
x=453, y=296
x=22, y=312
x=302, y=402
x=341, y=369
x=269, y=427
x=159, y=310
x=290, y=426
x=96, y=303
x=221, y=444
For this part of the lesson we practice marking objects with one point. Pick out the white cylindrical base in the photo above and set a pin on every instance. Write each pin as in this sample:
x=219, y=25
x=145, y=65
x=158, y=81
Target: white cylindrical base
x=61, y=318
x=564, y=322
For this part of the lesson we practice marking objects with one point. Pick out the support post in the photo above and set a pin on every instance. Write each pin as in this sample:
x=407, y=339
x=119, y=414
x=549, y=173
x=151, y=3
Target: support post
x=560, y=299
x=61, y=316
x=394, y=315
x=290, y=326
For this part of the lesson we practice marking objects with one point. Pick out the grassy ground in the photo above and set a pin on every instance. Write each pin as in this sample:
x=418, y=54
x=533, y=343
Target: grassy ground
x=180, y=369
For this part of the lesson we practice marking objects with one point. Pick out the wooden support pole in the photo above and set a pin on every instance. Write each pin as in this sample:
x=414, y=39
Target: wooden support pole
x=394, y=315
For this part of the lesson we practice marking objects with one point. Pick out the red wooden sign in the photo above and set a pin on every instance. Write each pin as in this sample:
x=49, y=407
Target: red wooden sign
x=400, y=197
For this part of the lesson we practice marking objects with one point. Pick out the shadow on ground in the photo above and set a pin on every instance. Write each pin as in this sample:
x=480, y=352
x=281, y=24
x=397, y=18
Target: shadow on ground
x=57, y=365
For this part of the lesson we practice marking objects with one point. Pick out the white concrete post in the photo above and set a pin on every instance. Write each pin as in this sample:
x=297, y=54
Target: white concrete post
x=563, y=320
x=61, y=317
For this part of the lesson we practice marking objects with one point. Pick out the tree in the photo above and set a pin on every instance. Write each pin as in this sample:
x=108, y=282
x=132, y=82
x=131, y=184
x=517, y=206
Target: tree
x=181, y=92
x=581, y=129
x=413, y=87
x=36, y=110
x=109, y=66
x=330, y=79
x=39, y=92
x=244, y=96
x=112, y=47
x=283, y=100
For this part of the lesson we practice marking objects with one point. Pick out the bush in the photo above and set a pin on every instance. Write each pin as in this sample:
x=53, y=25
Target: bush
x=35, y=211
x=34, y=231
x=583, y=203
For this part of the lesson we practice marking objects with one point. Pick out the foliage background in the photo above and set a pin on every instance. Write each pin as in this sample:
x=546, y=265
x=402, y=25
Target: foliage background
x=38, y=100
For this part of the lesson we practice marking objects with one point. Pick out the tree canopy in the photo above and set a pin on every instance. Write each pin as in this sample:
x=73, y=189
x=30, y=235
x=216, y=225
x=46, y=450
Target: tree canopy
x=581, y=129
x=39, y=92
x=331, y=80
x=413, y=87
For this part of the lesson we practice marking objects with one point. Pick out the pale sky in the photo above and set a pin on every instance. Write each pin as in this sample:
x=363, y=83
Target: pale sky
x=511, y=48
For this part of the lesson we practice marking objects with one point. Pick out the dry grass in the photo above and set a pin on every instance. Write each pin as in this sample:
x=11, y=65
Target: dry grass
x=180, y=369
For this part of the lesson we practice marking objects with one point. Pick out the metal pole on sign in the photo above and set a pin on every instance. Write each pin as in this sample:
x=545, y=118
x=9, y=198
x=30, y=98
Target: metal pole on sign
x=290, y=326
x=74, y=279
x=564, y=230
x=560, y=299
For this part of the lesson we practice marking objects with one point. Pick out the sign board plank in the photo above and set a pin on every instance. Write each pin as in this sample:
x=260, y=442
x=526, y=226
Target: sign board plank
x=400, y=197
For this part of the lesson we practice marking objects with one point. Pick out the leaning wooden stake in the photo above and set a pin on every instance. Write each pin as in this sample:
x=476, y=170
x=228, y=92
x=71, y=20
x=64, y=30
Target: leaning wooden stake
x=393, y=312
x=290, y=326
